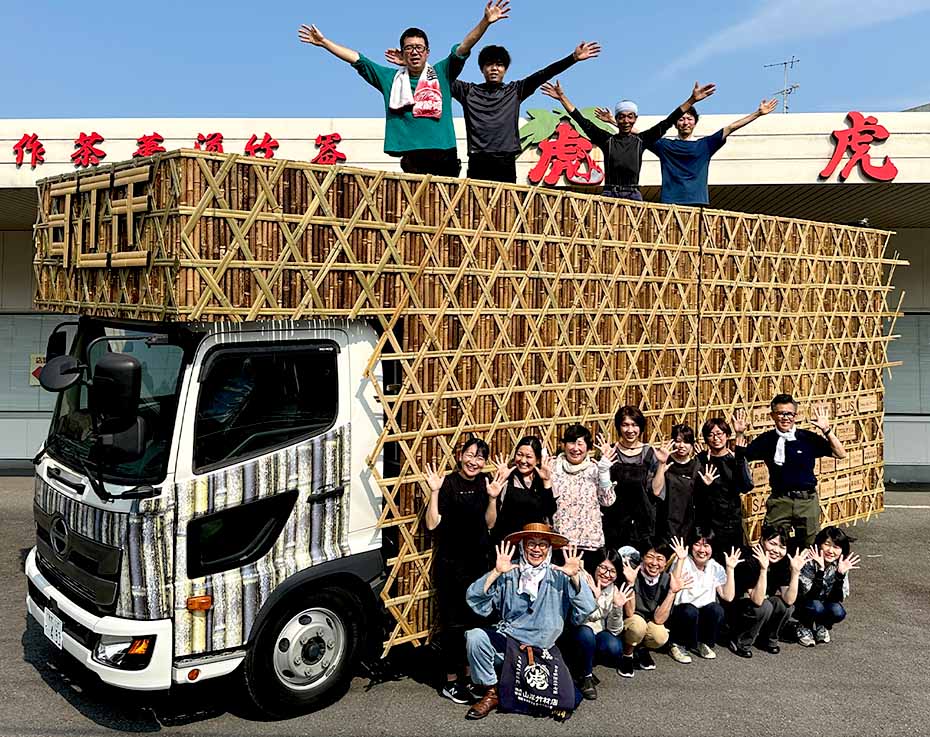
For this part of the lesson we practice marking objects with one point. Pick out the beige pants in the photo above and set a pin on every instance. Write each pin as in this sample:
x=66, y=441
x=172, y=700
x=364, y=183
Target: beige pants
x=637, y=630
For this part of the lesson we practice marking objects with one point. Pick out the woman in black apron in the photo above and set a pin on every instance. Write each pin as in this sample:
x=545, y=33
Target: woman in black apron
x=677, y=478
x=527, y=497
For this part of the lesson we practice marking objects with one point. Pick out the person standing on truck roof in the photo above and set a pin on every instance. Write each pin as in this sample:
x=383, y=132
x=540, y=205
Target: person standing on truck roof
x=417, y=98
x=492, y=108
x=623, y=151
x=462, y=509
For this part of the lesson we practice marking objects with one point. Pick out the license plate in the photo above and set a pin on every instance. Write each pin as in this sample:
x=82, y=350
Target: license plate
x=53, y=627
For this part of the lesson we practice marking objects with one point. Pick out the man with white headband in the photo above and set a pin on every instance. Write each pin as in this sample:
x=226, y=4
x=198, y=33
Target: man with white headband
x=623, y=151
x=790, y=454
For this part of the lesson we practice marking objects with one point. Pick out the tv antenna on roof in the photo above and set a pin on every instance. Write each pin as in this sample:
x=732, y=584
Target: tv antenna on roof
x=788, y=88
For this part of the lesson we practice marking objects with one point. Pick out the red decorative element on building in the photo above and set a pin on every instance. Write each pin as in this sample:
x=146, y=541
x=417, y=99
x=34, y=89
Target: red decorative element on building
x=149, y=145
x=568, y=155
x=328, y=154
x=857, y=140
x=264, y=148
x=29, y=144
x=211, y=142
x=86, y=152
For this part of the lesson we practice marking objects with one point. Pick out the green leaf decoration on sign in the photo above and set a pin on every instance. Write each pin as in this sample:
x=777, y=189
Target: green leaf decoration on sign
x=540, y=125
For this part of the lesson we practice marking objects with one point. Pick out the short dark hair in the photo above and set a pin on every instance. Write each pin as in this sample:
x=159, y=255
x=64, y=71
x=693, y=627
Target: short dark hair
x=693, y=111
x=659, y=545
x=783, y=399
x=533, y=442
x=770, y=532
x=595, y=558
x=634, y=413
x=687, y=434
x=713, y=422
x=413, y=32
x=491, y=54
x=837, y=536
x=575, y=432
x=481, y=447
x=701, y=532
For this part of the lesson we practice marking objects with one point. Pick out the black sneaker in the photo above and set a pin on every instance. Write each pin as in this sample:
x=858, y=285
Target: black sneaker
x=626, y=666
x=457, y=693
x=644, y=660
x=587, y=688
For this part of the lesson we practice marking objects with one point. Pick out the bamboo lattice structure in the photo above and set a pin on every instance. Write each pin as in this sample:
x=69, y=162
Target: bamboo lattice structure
x=506, y=309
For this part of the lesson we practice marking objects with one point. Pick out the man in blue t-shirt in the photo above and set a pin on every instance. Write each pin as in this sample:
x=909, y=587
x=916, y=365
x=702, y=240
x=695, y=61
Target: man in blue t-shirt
x=685, y=160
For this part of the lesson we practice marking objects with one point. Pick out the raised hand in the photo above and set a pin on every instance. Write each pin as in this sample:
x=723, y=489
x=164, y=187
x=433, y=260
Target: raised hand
x=677, y=583
x=504, y=561
x=433, y=478
x=608, y=451
x=847, y=563
x=798, y=560
x=605, y=116
x=573, y=564
x=767, y=106
x=738, y=421
x=394, y=56
x=586, y=50
x=815, y=555
x=821, y=418
x=663, y=451
x=592, y=584
x=709, y=475
x=496, y=10
x=499, y=482
x=630, y=573
x=701, y=92
x=679, y=548
x=758, y=552
x=311, y=35
x=623, y=593
x=546, y=468
x=734, y=558
x=553, y=90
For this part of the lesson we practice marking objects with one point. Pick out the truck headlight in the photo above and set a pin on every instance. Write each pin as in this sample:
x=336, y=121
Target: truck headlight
x=125, y=653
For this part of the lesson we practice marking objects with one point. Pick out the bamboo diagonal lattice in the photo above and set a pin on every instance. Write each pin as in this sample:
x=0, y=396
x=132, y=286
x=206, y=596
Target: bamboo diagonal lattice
x=501, y=309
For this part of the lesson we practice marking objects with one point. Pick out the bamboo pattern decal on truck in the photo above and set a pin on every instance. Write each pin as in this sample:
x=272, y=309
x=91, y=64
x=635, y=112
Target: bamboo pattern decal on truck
x=316, y=531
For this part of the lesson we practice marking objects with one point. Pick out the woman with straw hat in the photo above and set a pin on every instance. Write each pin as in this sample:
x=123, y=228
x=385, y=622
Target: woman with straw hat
x=532, y=598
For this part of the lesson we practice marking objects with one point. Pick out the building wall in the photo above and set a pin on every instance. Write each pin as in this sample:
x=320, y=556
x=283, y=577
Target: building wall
x=25, y=409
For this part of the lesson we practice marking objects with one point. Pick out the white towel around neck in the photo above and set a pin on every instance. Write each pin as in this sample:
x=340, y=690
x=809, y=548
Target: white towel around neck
x=783, y=437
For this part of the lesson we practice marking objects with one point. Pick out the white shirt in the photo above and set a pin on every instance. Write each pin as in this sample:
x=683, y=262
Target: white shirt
x=703, y=590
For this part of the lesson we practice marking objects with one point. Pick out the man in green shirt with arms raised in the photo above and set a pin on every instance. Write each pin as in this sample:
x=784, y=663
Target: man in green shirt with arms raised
x=417, y=97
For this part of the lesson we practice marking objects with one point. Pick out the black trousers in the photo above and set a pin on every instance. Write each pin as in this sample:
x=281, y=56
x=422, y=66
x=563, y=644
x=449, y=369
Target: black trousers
x=750, y=623
x=443, y=162
x=493, y=167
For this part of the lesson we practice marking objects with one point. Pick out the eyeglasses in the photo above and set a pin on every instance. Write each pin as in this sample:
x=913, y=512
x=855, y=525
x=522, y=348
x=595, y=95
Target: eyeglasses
x=716, y=434
x=786, y=415
x=610, y=570
x=537, y=544
x=409, y=48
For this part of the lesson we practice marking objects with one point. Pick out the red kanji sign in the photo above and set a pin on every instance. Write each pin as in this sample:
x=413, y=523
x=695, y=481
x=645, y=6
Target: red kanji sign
x=29, y=144
x=149, y=144
x=211, y=142
x=857, y=139
x=568, y=155
x=86, y=152
x=265, y=147
x=328, y=153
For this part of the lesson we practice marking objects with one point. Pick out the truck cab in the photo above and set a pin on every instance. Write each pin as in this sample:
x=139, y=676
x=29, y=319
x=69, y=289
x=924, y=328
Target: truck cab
x=205, y=502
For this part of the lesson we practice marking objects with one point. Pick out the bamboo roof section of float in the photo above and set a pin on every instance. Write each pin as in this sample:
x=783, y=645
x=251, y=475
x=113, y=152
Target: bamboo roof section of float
x=505, y=308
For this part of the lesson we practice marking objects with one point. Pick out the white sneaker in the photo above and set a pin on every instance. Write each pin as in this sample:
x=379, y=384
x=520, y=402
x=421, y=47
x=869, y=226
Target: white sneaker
x=679, y=654
x=805, y=636
x=705, y=651
x=822, y=634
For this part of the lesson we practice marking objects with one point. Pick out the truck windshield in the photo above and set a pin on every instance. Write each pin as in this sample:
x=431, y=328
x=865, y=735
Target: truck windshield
x=71, y=437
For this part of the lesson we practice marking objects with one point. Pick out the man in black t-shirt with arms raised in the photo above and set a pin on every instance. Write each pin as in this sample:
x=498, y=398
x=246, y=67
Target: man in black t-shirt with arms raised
x=790, y=454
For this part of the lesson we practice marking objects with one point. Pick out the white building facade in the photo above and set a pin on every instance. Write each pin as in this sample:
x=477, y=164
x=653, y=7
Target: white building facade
x=773, y=166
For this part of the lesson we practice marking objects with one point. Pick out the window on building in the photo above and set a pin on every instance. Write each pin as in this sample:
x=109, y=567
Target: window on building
x=908, y=386
x=253, y=400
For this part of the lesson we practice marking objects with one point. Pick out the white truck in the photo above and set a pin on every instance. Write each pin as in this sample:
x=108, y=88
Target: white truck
x=202, y=503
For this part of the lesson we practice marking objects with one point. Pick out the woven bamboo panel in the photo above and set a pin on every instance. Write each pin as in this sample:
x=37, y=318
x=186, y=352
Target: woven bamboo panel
x=506, y=309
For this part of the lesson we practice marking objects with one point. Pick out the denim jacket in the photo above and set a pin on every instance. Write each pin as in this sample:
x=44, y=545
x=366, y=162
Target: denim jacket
x=538, y=623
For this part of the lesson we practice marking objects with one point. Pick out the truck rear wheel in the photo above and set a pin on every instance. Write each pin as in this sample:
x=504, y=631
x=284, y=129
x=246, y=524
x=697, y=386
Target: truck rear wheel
x=303, y=653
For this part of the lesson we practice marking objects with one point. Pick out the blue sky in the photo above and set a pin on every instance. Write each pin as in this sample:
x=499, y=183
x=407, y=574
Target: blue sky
x=232, y=59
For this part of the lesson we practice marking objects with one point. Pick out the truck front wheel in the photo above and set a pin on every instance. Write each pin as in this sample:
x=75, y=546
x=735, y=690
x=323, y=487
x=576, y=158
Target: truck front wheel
x=302, y=654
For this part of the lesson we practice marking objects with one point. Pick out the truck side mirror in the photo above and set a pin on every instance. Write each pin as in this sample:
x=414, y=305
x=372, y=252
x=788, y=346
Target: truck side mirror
x=60, y=373
x=113, y=400
x=57, y=345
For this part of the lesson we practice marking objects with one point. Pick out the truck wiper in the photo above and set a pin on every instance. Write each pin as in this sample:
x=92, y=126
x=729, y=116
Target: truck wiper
x=95, y=483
